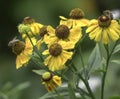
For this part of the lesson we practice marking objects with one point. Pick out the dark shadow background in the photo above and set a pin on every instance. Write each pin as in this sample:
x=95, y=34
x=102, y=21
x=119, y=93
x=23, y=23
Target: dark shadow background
x=46, y=12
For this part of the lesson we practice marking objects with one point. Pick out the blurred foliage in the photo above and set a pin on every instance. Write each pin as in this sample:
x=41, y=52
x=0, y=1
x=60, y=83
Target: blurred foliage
x=9, y=91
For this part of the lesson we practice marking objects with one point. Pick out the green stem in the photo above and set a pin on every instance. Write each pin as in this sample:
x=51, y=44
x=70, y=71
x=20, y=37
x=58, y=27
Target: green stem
x=106, y=68
x=87, y=86
x=82, y=92
x=60, y=97
x=86, y=83
x=34, y=47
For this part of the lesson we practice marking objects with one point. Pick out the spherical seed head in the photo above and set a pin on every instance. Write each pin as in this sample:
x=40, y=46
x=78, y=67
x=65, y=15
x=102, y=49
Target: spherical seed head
x=47, y=76
x=104, y=21
x=76, y=13
x=18, y=47
x=28, y=20
x=55, y=49
x=62, y=31
x=43, y=31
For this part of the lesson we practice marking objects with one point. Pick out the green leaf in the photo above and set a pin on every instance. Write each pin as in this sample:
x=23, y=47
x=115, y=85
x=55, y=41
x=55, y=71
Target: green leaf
x=71, y=91
x=115, y=97
x=94, y=60
x=117, y=49
x=116, y=61
x=39, y=72
x=50, y=95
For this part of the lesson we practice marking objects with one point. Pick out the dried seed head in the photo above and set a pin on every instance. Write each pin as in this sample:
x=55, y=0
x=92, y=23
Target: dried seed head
x=55, y=49
x=17, y=46
x=62, y=31
x=104, y=21
x=43, y=31
x=76, y=13
x=28, y=20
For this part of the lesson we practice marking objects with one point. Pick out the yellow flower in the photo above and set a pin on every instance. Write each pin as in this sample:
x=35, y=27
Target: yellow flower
x=23, y=50
x=76, y=19
x=51, y=81
x=62, y=32
x=104, y=29
x=58, y=55
x=34, y=26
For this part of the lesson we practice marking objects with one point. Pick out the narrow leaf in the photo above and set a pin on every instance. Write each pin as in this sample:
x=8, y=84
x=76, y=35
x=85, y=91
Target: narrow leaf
x=39, y=72
x=115, y=97
x=94, y=59
x=52, y=94
x=116, y=61
x=71, y=91
x=117, y=49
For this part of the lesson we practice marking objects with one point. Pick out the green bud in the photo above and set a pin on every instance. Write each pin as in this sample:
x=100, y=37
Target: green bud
x=24, y=28
x=46, y=76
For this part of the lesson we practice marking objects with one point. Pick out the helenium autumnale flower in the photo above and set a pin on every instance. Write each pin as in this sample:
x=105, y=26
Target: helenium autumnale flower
x=63, y=33
x=76, y=19
x=51, y=81
x=104, y=29
x=32, y=25
x=23, y=50
x=58, y=55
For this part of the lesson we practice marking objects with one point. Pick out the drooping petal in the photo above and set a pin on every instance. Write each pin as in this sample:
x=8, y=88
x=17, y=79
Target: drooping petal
x=98, y=34
x=67, y=45
x=21, y=60
x=91, y=28
x=113, y=35
x=45, y=52
x=105, y=38
x=75, y=34
x=51, y=30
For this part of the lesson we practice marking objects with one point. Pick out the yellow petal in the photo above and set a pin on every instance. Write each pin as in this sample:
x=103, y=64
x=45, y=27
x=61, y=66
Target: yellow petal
x=50, y=39
x=98, y=34
x=105, y=38
x=82, y=22
x=38, y=45
x=57, y=80
x=93, y=34
x=91, y=28
x=45, y=52
x=62, y=17
x=67, y=45
x=75, y=34
x=51, y=30
x=113, y=35
x=21, y=60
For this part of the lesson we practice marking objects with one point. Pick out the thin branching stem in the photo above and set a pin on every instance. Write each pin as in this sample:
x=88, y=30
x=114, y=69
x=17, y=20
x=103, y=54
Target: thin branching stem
x=109, y=54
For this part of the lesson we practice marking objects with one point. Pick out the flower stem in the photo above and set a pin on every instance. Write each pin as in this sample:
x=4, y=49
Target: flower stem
x=34, y=47
x=87, y=86
x=59, y=96
x=86, y=83
x=106, y=68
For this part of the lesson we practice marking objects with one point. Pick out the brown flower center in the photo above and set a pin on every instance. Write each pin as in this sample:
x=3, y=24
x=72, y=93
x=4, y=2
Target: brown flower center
x=76, y=13
x=47, y=76
x=55, y=49
x=62, y=31
x=43, y=31
x=18, y=47
x=28, y=20
x=104, y=21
